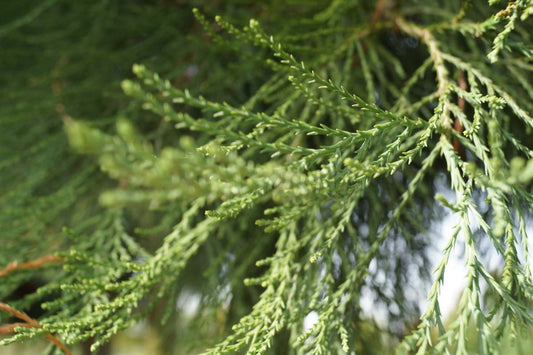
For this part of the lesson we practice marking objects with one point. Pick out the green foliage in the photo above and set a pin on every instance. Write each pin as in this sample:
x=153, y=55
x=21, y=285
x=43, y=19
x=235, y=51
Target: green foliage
x=278, y=167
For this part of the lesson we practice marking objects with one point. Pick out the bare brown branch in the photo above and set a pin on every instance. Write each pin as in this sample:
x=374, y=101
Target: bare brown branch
x=32, y=264
x=10, y=328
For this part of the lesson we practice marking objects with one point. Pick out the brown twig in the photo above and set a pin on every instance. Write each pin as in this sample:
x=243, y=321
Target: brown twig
x=379, y=11
x=461, y=103
x=10, y=328
x=29, y=323
x=32, y=264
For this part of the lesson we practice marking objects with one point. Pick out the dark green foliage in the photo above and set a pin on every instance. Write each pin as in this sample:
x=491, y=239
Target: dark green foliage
x=276, y=167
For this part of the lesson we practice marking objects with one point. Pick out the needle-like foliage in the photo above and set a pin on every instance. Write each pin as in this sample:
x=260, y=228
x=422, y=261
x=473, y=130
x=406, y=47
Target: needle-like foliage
x=280, y=168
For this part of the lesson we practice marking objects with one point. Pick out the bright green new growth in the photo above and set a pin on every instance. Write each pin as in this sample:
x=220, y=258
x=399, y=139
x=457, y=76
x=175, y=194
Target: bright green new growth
x=315, y=189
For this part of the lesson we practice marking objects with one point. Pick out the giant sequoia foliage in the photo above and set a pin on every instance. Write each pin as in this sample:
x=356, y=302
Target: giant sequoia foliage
x=284, y=162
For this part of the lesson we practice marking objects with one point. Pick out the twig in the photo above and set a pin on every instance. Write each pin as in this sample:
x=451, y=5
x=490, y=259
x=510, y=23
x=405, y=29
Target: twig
x=377, y=15
x=10, y=328
x=32, y=264
x=29, y=323
x=457, y=123
x=378, y=12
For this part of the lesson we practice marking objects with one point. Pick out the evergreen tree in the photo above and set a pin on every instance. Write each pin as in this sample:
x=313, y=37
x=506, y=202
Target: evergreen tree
x=284, y=162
